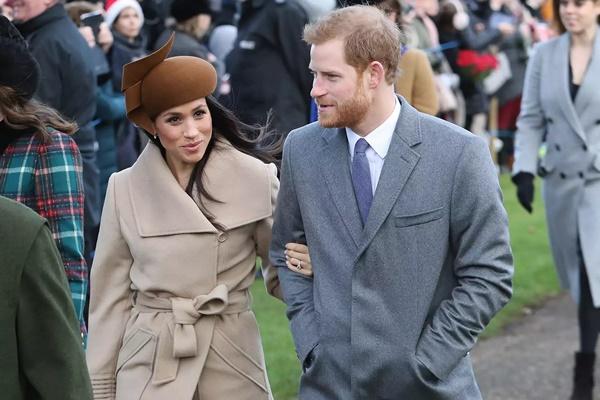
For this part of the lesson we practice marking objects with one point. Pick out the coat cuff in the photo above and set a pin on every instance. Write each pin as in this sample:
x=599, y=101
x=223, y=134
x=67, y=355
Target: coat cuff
x=438, y=357
x=104, y=388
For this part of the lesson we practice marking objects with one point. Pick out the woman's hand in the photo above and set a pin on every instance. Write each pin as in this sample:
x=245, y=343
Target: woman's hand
x=297, y=259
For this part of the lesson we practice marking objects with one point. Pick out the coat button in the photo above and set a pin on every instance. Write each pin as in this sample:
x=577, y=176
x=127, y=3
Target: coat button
x=562, y=175
x=584, y=147
x=557, y=147
x=549, y=120
x=221, y=237
x=580, y=174
x=598, y=122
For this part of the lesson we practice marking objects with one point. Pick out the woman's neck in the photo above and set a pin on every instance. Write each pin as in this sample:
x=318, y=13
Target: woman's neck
x=181, y=171
x=584, y=38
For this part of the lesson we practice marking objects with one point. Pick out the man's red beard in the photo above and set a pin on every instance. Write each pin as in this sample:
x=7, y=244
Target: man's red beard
x=349, y=112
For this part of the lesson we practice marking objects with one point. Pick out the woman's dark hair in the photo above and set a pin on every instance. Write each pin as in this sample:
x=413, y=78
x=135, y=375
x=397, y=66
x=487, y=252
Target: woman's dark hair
x=258, y=142
x=21, y=114
x=556, y=11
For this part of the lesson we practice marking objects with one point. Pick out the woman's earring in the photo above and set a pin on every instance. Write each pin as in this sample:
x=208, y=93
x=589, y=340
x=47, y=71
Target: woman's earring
x=155, y=137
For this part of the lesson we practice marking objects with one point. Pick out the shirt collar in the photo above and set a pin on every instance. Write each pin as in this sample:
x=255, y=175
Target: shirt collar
x=380, y=138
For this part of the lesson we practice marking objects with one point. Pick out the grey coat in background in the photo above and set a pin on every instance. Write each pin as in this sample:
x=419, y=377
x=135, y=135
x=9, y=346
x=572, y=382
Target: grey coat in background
x=394, y=308
x=571, y=165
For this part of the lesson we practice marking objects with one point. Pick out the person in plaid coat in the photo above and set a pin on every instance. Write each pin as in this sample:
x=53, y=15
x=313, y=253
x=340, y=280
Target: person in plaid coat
x=40, y=166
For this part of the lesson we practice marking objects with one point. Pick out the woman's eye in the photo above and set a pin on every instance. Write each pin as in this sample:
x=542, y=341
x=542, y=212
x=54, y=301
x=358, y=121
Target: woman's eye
x=199, y=113
x=172, y=120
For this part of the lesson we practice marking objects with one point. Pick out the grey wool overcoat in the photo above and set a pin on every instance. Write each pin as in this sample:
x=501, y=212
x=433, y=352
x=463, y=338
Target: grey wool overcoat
x=571, y=164
x=393, y=309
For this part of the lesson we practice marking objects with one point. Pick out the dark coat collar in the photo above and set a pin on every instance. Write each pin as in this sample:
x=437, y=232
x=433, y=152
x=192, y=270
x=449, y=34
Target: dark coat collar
x=54, y=13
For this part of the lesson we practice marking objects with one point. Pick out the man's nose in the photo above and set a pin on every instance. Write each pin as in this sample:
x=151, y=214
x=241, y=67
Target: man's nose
x=317, y=89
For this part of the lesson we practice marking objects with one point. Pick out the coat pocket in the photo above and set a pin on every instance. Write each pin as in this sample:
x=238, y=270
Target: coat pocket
x=135, y=364
x=238, y=359
x=545, y=166
x=403, y=221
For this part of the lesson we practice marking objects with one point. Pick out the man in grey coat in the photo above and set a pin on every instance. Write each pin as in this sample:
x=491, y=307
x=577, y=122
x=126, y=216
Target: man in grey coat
x=403, y=217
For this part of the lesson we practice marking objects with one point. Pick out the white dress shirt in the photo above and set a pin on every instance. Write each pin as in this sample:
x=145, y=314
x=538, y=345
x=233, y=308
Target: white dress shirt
x=379, y=143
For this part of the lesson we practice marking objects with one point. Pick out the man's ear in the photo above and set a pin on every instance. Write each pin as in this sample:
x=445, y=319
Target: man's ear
x=376, y=74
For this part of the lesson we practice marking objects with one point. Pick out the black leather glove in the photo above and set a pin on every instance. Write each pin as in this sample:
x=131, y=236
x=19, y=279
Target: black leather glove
x=524, y=182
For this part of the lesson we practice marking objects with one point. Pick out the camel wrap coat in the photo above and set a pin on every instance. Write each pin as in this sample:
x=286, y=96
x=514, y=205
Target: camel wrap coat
x=170, y=310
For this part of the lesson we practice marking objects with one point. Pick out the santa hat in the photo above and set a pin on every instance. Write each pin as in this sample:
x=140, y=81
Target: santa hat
x=20, y=70
x=114, y=8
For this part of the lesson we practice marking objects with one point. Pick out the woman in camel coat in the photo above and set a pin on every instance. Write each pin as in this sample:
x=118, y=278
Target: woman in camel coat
x=170, y=313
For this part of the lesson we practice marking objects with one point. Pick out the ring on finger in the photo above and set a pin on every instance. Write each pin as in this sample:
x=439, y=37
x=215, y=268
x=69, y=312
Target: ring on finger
x=299, y=265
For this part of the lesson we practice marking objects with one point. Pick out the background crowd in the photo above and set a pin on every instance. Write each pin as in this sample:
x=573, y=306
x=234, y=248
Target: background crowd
x=464, y=61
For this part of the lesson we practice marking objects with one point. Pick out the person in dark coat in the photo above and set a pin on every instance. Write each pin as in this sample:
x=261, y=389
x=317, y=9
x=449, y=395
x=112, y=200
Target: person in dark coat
x=192, y=21
x=125, y=18
x=110, y=103
x=68, y=85
x=269, y=65
x=41, y=350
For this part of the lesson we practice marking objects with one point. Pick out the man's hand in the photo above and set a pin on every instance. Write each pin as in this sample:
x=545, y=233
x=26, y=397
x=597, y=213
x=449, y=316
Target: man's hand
x=506, y=29
x=105, y=37
x=525, y=190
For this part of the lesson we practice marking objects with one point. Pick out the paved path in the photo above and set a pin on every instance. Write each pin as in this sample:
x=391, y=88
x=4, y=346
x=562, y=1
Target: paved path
x=533, y=358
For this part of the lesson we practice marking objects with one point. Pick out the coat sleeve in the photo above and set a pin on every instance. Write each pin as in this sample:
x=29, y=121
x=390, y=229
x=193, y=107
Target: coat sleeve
x=60, y=199
x=424, y=96
x=110, y=106
x=263, y=235
x=483, y=264
x=531, y=125
x=69, y=83
x=297, y=289
x=110, y=298
x=51, y=357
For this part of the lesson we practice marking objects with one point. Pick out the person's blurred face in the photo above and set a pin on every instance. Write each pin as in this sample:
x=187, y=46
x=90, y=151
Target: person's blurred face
x=5, y=10
x=338, y=89
x=202, y=24
x=429, y=7
x=579, y=15
x=128, y=23
x=24, y=10
x=184, y=131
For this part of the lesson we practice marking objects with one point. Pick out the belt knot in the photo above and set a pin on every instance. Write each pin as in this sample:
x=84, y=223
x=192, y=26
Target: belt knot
x=186, y=312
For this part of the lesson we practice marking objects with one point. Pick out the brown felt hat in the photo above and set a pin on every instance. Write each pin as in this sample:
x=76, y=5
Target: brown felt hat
x=156, y=83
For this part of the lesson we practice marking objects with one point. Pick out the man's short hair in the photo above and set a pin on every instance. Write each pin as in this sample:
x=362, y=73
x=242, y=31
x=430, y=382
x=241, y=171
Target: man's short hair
x=367, y=35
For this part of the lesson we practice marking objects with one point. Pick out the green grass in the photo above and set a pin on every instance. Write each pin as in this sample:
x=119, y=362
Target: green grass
x=534, y=281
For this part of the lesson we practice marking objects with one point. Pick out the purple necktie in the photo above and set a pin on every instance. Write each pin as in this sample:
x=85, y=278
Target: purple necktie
x=361, y=179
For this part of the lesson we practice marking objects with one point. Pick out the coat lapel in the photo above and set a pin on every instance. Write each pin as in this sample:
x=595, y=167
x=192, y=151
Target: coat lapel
x=399, y=164
x=590, y=82
x=161, y=207
x=336, y=171
x=568, y=107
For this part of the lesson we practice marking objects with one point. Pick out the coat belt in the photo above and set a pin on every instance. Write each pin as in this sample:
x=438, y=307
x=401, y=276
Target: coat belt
x=191, y=326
